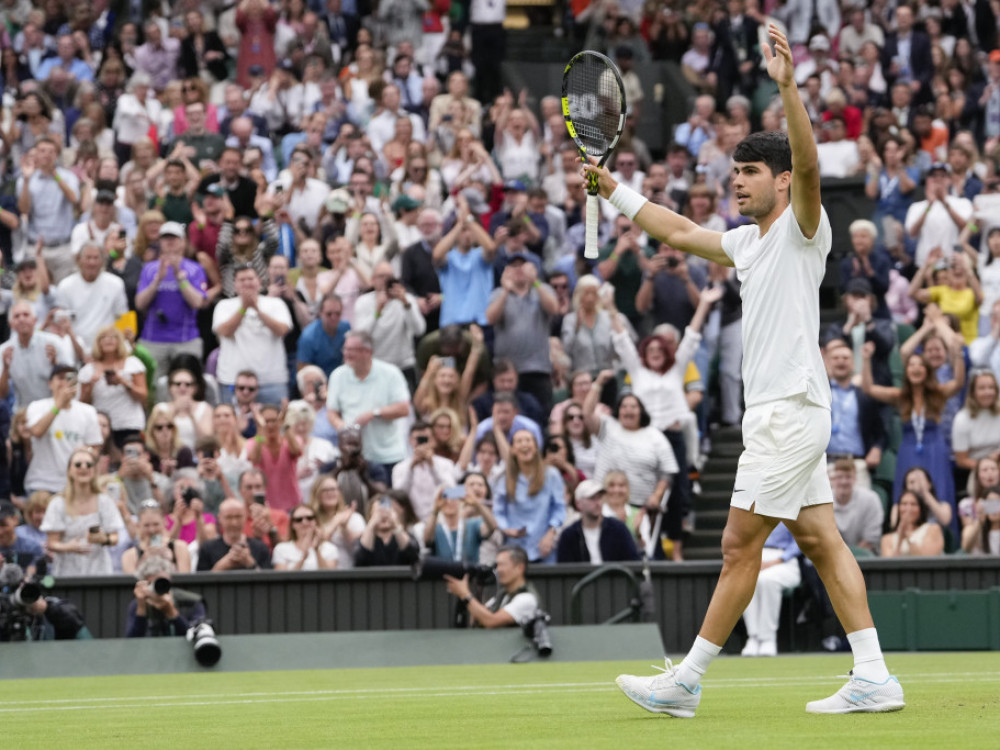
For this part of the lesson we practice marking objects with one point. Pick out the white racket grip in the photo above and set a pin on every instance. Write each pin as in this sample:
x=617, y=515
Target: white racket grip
x=590, y=248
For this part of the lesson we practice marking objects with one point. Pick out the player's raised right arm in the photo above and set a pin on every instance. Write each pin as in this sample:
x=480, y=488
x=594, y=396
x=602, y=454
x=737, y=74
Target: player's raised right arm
x=658, y=221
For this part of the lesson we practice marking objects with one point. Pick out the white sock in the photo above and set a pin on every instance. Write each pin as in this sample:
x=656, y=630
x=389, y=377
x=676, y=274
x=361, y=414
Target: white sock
x=868, y=661
x=696, y=663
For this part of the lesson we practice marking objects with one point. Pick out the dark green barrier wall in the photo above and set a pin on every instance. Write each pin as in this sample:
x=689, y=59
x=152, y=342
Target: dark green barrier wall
x=388, y=599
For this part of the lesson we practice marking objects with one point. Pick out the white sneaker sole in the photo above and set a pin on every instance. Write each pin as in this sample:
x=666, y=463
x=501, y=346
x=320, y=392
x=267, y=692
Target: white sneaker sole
x=878, y=708
x=677, y=713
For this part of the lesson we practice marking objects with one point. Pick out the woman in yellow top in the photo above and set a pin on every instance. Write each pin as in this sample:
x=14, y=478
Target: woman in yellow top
x=959, y=292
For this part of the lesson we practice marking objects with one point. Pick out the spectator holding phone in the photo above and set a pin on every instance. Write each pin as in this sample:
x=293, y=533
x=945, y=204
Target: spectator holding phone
x=136, y=473
x=188, y=521
x=982, y=536
x=114, y=381
x=233, y=550
x=450, y=533
x=262, y=522
x=423, y=473
x=155, y=541
x=385, y=541
x=82, y=523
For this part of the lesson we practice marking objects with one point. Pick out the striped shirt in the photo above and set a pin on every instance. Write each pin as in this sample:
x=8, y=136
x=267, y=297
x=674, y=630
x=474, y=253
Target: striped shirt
x=644, y=455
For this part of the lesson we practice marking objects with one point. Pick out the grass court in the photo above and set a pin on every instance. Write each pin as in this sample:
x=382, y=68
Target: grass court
x=953, y=701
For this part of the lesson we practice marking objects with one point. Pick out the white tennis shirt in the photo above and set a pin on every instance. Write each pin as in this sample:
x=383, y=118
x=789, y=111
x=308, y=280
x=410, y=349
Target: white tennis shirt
x=780, y=275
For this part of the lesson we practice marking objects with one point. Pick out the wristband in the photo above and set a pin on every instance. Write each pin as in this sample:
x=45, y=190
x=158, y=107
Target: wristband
x=113, y=255
x=527, y=220
x=56, y=177
x=627, y=201
x=243, y=311
x=201, y=226
x=258, y=438
x=467, y=599
x=614, y=257
x=55, y=409
x=184, y=283
x=537, y=284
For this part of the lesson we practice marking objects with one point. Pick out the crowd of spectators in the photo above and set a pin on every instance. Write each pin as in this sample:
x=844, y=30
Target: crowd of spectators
x=301, y=285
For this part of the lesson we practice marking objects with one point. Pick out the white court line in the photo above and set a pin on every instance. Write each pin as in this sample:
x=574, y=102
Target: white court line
x=305, y=696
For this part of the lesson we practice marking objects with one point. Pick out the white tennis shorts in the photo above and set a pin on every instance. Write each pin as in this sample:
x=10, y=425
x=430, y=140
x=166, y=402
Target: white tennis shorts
x=783, y=465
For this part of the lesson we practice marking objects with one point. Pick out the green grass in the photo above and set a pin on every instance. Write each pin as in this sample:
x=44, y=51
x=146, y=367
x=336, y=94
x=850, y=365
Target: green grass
x=953, y=701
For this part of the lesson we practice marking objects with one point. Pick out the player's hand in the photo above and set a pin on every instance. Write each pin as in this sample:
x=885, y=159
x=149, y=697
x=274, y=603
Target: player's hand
x=780, y=66
x=605, y=182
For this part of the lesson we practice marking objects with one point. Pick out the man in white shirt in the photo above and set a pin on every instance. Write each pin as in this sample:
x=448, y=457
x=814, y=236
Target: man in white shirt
x=838, y=156
x=423, y=473
x=251, y=331
x=95, y=297
x=27, y=358
x=781, y=262
x=100, y=227
x=392, y=317
x=306, y=195
x=382, y=126
x=937, y=220
x=59, y=425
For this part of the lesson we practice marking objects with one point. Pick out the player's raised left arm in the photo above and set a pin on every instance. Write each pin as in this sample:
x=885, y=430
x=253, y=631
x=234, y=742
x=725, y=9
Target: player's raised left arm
x=805, y=194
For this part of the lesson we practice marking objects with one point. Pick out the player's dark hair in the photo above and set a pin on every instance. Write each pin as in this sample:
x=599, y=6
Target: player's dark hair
x=768, y=146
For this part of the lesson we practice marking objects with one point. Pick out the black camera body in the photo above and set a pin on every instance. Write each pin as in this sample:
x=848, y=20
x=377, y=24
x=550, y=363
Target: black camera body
x=17, y=594
x=436, y=568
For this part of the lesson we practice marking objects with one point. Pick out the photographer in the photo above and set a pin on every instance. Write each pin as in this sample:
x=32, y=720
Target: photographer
x=26, y=615
x=515, y=605
x=157, y=608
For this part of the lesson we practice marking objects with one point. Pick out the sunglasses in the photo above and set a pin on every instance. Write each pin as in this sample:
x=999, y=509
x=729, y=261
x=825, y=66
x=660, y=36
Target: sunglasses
x=160, y=427
x=574, y=417
x=301, y=519
x=250, y=388
x=243, y=230
x=183, y=383
x=559, y=286
x=83, y=465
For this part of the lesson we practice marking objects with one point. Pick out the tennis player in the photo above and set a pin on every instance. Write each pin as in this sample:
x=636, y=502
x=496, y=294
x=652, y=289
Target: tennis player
x=780, y=261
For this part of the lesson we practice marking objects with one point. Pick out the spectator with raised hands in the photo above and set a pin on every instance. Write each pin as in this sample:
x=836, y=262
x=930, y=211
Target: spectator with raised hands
x=385, y=540
x=153, y=540
x=443, y=386
x=464, y=260
x=28, y=357
x=306, y=548
x=920, y=401
x=275, y=451
x=115, y=383
x=459, y=522
x=628, y=442
x=959, y=295
x=517, y=137
x=982, y=535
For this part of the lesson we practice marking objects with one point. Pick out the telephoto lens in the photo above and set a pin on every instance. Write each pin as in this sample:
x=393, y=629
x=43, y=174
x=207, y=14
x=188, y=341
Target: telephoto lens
x=161, y=586
x=207, y=650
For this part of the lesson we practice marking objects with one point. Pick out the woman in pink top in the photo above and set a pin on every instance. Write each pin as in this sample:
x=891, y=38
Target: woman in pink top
x=188, y=520
x=276, y=452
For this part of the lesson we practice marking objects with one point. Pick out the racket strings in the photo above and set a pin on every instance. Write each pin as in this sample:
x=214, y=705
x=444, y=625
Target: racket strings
x=595, y=104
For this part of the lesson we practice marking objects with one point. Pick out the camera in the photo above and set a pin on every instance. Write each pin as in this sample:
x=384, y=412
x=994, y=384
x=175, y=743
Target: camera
x=672, y=262
x=422, y=440
x=161, y=586
x=16, y=596
x=201, y=636
x=436, y=568
x=536, y=630
x=190, y=494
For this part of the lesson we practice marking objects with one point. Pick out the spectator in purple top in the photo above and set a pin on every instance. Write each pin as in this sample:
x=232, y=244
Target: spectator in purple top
x=171, y=291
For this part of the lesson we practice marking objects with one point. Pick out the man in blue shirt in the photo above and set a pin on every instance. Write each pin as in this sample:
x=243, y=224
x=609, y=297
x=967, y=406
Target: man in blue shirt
x=322, y=340
x=14, y=549
x=67, y=60
x=464, y=259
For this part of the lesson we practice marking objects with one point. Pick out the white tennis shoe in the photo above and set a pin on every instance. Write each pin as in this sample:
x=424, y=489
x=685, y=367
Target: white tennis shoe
x=661, y=693
x=861, y=696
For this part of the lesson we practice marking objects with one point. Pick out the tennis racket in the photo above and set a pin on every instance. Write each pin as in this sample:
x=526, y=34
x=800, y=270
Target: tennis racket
x=593, y=102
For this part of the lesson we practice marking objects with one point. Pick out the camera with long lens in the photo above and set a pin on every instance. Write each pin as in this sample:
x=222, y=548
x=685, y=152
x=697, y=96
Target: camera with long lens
x=436, y=568
x=201, y=636
x=17, y=594
x=161, y=586
x=537, y=631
